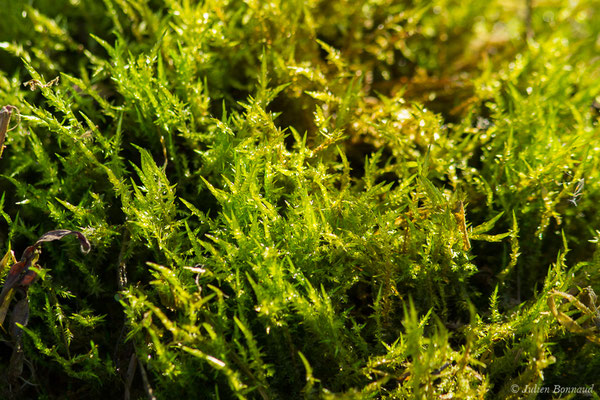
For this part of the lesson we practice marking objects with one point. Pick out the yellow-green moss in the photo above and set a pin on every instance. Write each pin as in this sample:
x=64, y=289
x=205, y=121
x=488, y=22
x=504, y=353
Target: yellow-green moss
x=319, y=199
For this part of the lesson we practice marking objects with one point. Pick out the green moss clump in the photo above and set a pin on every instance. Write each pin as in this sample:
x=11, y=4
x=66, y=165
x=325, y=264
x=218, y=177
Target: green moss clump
x=319, y=199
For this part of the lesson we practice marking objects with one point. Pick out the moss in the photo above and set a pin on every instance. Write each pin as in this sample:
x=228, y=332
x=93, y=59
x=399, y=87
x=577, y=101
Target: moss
x=339, y=199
